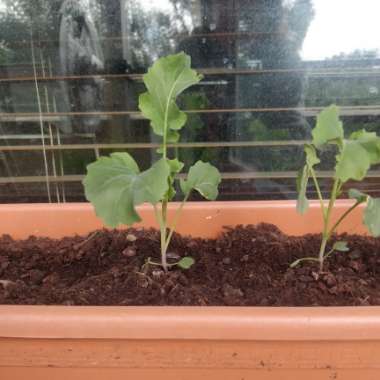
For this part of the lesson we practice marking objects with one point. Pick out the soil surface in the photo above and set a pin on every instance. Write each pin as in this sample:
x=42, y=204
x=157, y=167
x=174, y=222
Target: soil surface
x=244, y=266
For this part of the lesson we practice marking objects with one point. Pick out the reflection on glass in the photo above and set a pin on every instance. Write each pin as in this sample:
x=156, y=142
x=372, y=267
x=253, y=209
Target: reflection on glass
x=80, y=53
x=70, y=77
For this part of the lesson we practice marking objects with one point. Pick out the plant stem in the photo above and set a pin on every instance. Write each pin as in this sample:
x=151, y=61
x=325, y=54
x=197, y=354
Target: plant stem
x=175, y=221
x=165, y=239
x=321, y=256
x=163, y=228
x=320, y=197
x=326, y=232
x=164, y=142
x=164, y=235
x=346, y=213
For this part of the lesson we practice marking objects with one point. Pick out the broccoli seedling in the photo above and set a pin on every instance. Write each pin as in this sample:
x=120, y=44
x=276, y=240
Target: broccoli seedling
x=354, y=158
x=115, y=185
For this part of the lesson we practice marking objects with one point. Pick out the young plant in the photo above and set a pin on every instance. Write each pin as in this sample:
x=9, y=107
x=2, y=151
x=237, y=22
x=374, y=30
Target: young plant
x=115, y=185
x=354, y=158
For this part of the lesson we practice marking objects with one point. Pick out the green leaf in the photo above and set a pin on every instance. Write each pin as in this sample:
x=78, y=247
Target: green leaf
x=328, y=128
x=114, y=185
x=175, y=166
x=151, y=185
x=370, y=142
x=166, y=79
x=186, y=262
x=372, y=216
x=311, y=156
x=353, y=162
x=357, y=195
x=204, y=178
x=341, y=246
x=302, y=180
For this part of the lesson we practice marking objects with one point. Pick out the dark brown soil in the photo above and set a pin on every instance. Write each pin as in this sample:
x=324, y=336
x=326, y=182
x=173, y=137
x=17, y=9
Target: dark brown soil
x=244, y=266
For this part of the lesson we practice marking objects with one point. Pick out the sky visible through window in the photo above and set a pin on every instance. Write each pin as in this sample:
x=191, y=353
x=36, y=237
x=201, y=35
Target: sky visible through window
x=342, y=26
x=339, y=26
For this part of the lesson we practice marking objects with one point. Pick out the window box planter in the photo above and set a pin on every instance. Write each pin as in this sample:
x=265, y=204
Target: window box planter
x=60, y=342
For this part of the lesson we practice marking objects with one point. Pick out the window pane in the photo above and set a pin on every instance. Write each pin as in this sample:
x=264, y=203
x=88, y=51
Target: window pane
x=71, y=73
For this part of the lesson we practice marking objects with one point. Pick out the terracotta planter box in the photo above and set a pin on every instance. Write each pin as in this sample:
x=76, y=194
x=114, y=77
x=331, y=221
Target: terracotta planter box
x=60, y=343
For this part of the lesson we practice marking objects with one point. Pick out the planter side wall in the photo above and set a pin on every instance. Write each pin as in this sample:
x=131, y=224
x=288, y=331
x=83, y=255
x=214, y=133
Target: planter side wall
x=117, y=359
x=181, y=374
x=26, y=355
x=199, y=219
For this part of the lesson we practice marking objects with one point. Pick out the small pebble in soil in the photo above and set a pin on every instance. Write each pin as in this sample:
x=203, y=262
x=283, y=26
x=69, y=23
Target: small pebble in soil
x=129, y=252
x=173, y=255
x=6, y=283
x=131, y=238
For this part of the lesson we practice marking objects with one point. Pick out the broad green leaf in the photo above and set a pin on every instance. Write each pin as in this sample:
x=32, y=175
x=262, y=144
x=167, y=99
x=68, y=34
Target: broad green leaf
x=353, y=162
x=341, y=246
x=358, y=195
x=302, y=180
x=114, y=185
x=186, y=262
x=370, y=142
x=363, y=135
x=175, y=166
x=372, y=216
x=151, y=185
x=311, y=156
x=166, y=79
x=328, y=128
x=204, y=178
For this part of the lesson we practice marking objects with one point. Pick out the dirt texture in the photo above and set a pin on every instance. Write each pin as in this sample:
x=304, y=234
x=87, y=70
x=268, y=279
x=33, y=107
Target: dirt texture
x=245, y=266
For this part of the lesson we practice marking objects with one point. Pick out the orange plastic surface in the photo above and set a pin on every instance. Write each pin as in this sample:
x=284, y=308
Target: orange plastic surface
x=165, y=343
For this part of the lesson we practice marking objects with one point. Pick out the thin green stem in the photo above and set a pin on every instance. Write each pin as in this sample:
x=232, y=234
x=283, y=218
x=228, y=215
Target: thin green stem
x=329, y=253
x=326, y=233
x=321, y=256
x=163, y=228
x=164, y=207
x=295, y=263
x=320, y=197
x=339, y=189
x=175, y=221
x=346, y=213
x=150, y=262
x=164, y=142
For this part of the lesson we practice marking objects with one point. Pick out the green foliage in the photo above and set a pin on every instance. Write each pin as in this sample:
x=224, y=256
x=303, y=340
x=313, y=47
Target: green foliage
x=372, y=216
x=341, y=246
x=370, y=142
x=203, y=178
x=115, y=185
x=165, y=80
x=353, y=160
x=329, y=128
x=357, y=195
x=186, y=263
x=116, y=181
x=303, y=178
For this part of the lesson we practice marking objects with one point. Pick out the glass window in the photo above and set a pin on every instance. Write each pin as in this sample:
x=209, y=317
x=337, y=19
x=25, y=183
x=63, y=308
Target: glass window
x=71, y=70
